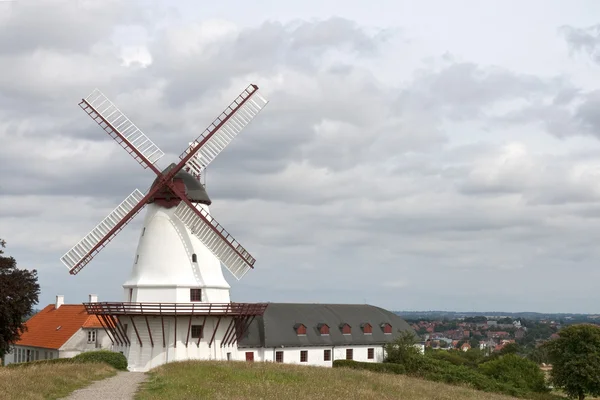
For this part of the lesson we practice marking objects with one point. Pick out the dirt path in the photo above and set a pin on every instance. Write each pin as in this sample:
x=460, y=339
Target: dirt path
x=119, y=387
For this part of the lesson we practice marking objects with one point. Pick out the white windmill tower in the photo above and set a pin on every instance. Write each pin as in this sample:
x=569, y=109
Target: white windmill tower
x=176, y=276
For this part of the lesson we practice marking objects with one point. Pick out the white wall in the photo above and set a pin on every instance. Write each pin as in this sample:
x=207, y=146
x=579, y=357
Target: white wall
x=78, y=343
x=316, y=355
x=19, y=354
x=145, y=357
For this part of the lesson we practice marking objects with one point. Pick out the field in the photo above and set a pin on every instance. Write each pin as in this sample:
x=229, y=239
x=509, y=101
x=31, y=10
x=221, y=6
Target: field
x=240, y=380
x=49, y=381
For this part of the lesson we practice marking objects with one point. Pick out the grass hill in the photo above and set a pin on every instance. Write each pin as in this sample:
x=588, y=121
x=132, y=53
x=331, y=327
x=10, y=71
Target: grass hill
x=241, y=380
x=49, y=381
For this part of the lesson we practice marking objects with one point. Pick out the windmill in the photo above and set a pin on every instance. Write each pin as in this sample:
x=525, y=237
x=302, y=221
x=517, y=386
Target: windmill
x=183, y=201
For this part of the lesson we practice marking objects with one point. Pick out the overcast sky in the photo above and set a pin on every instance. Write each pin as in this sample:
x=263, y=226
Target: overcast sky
x=414, y=155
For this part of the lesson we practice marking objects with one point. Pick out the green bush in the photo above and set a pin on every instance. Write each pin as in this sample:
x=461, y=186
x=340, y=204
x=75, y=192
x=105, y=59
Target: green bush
x=516, y=371
x=439, y=371
x=117, y=360
x=451, y=356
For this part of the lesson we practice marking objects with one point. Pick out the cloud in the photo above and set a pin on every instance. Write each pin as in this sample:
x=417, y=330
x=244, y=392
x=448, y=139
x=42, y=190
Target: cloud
x=586, y=40
x=404, y=187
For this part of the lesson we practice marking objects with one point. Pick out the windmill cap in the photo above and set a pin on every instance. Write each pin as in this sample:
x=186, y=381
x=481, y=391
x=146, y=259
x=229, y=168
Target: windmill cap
x=196, y=193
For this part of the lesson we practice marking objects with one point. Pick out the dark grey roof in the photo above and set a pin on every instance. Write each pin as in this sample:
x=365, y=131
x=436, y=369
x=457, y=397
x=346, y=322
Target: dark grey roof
x=196, y=193
x=276, y=327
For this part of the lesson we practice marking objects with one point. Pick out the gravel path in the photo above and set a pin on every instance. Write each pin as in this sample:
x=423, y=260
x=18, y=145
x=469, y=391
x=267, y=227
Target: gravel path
x=119, y=387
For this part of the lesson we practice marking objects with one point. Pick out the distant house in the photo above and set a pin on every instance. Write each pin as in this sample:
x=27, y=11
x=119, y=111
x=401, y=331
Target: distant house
x=519, y=334
x=59, y=331
x=465, y=347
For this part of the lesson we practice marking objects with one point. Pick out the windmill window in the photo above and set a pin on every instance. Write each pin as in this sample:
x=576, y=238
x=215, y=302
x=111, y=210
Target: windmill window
x=327, y=355
x=195, y=294
x=194, y=258
x=197, y=332
x=370, y=353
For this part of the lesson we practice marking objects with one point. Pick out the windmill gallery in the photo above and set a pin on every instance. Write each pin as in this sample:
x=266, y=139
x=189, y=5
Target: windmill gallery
x=176, y=303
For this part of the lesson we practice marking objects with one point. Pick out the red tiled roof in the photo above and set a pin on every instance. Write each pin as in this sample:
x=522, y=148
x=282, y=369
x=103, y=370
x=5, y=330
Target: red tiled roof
x=92, y=322
x=43, y=328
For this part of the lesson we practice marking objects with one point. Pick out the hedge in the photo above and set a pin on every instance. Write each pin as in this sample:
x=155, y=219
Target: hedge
x=116, y=360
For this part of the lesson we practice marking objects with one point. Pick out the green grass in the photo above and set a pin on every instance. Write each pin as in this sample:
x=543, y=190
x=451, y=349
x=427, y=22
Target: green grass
x=241, y=380
x=49, y=381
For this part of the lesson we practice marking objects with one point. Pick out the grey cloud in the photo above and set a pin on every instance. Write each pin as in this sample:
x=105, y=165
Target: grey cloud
x=61, y=25
x=585, y=40
x=464, y=90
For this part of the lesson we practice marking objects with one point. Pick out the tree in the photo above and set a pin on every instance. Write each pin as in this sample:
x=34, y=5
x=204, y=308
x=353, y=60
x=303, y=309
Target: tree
x=19, y=291
x=575, y=358
x=403, y=350
x=517, y=371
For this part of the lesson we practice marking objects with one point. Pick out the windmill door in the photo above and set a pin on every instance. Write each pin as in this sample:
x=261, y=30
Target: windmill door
x=249, y=356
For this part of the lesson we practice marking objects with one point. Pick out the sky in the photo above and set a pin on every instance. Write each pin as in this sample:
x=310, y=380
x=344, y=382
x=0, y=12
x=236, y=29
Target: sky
x=432, y=155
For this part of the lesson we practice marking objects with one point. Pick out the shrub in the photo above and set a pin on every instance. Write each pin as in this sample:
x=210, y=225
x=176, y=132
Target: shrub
x=116, y=360
x=516, y=371
x=438, y=371
x=451, y=356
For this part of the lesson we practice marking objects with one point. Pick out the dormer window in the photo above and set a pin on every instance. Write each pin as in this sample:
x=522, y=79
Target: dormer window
x=387, y=328
x=323, y=329
x=194, y=258
x=345, y=328
x=367, y=328
x=300, y=329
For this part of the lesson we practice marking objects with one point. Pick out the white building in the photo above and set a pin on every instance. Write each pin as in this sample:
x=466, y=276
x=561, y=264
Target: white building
x=59, y=331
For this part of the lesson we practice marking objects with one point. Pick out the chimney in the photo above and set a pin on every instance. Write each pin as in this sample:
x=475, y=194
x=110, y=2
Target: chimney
x=60, y=300
x=93, y=298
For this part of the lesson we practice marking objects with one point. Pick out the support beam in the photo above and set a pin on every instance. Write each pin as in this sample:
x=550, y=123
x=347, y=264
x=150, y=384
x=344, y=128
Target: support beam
x=110, y=323
x=227, y=332
x=149, y=332
x=175, y=335
x=105, y=330
x=244, y=329
x=162, y=321
x=187, y=339
x=203, y=325
x=215, y=331
x=120, y=325
x=238, y=328
x=136, y=331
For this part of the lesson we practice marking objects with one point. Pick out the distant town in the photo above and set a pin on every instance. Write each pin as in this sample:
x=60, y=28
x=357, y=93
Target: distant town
x=489, y=332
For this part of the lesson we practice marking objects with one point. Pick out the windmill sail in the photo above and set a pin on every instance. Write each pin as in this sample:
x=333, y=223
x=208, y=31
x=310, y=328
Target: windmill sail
x=235, y=258
x=82, y=253
x=227, y=125
x=121, y=129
